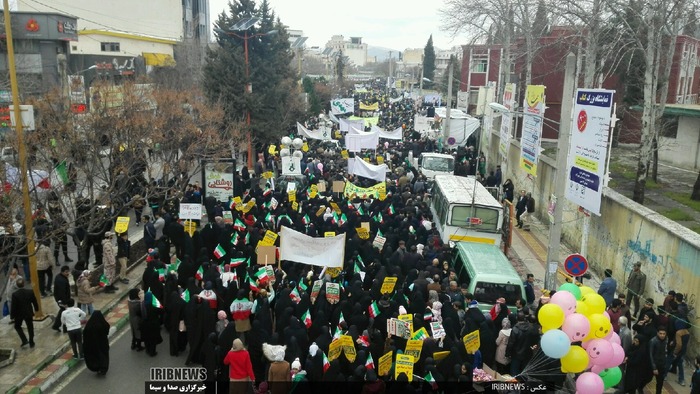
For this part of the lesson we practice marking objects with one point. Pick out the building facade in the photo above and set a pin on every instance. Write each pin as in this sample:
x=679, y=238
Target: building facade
x=354, y=49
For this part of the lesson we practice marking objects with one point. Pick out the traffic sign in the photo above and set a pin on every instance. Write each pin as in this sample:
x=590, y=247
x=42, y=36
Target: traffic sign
x=575, y=265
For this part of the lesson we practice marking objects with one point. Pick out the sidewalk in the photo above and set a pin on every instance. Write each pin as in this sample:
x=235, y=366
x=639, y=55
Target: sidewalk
x=528, y=254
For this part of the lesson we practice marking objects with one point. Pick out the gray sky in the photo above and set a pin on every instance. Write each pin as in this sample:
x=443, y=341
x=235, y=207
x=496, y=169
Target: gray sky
x=395, y=24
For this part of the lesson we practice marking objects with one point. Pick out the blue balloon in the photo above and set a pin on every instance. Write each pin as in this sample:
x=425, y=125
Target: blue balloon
x=555, y=343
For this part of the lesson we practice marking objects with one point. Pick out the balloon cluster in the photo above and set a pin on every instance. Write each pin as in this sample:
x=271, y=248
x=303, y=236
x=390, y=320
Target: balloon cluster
x=577, y=315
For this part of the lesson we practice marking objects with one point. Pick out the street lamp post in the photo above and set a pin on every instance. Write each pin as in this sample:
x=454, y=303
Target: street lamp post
x=243, y=25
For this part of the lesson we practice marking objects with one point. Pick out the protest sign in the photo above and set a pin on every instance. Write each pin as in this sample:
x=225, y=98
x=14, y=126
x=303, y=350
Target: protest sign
x=413, y=348
x=384, y=364
x=333, y=292
x=315, y=289
x=334, y=350
x=437, y=329
x=472, y=342
x=388, y=285
x=348, y=347
x=404, y=364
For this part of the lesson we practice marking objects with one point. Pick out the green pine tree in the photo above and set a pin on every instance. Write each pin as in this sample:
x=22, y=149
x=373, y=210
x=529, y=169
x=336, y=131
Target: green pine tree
x=429, y=61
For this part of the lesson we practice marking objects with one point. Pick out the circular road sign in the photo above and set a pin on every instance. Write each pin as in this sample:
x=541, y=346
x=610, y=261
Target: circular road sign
x=575, y=265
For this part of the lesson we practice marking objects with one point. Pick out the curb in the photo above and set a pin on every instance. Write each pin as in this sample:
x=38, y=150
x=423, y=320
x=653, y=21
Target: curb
x=70, y=364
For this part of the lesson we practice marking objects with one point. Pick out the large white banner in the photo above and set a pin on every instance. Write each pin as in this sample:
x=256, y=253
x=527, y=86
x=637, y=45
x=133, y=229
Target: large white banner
x=533, y=107
x=322, y=252
x=333, y=118
x=396, y=134
x=291, y=165
x=507, y=119
x=322, y=134
x=588, y=147
x=342, y=106
x=345, y=125
x=357, y=166
x=357, y=142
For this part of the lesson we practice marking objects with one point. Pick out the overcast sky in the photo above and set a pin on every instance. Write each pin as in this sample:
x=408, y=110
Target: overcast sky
x=394, y=24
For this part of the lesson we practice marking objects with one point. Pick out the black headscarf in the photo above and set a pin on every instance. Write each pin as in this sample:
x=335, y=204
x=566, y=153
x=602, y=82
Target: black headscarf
x=96, y=343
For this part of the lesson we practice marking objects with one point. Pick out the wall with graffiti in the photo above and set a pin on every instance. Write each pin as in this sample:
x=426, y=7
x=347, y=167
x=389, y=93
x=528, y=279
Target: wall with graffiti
x=625, y=233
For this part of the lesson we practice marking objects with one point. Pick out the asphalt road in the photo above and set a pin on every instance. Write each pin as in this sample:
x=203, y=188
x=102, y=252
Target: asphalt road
x=128, y=369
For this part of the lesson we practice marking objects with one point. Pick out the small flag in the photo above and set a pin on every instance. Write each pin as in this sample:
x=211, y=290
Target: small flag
x=343, y=219
x=239, y=225
x=306, y=318
x=391, y=210
x=362, y=262
x=199, y=275
x=294, y=295
x=326, y=364
x=235, y=239
x=103, y=280
x=378, y=218
x=267, y=191
x=428, y=315
x=156, y=303
x=253, y=286
x=236, y=262
x=420, y=334
x=161, y=274
x=268, y=218
x=219, y=252
x=62, y=172
x=338, y=333
x=341, y=320
x=261, y=274
x=235, y=277
x=279, y=219
x=306, y=219
x=379, y=233
x=221, y=268
x=350, y=206
x=363, y=340
x=334, y=218
x=185, y=295
x=302, y=286
x=411, y=230
x=361, y=211
x=174, y=266
x=357, y=268
x=247, y=238
x=430, y=379
x=374, y=309
x=369, y=364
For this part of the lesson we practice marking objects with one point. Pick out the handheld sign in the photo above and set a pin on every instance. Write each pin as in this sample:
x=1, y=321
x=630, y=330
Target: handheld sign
x=384, y=364
x=404, y=364
x=122, y=224
x=472, y=342
x=388, y=285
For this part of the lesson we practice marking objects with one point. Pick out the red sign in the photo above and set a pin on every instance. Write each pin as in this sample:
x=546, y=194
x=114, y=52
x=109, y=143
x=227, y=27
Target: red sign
x=32, y=25
x=78, y=108
x=582, y=121
x=476, y=221
x=575, y=265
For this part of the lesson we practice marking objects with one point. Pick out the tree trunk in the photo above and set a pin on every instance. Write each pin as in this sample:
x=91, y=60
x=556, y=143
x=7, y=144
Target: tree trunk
x=592, y=46
x=655, y=159
x=695, y=195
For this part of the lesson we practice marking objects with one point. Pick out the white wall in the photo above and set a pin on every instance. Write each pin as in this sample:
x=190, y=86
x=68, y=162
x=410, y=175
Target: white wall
x=154, y=18
x=91, y=45
x=682, y=151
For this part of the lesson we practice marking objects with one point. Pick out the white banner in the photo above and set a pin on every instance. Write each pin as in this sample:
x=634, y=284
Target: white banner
x=333, y=118
x=588, y=147
x=190, y=211
x=346, y=125
x=357, y=166
x=291, y=165
x=357, y=142
x=395, y=100
x=322, y=252
x=507, y=119
x=322, y=134
x=342, y=106
x=533, y=107
x=396, y=134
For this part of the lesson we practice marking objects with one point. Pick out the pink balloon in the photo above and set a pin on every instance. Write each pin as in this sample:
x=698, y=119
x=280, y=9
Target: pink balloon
x=576, y=325
x=615, y=359
x=585, y=344
x=565, y=300
x=599, y=351
x=606, y=315
x=320, y=167
x=614, y=338
x=597, y=369
x=590, y=383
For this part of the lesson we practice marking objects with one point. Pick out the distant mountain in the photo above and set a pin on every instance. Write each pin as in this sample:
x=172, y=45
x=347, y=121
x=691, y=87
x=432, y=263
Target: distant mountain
x=381, y=53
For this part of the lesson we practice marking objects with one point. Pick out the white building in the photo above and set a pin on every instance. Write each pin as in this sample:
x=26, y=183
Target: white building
x=354, y=49
x=442, y=58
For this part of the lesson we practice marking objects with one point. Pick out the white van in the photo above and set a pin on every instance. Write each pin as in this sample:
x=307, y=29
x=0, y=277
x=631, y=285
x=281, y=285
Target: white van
x=431, y=164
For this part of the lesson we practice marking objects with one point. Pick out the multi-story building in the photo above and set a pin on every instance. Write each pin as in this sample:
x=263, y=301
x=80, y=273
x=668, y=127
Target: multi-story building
x=354, y=49
x=442, y=59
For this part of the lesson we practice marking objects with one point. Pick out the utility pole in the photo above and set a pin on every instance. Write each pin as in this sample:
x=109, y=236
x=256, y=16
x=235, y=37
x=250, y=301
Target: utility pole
x=22, y=152
x=560, y=179
x=420, y=93
x=449, y=103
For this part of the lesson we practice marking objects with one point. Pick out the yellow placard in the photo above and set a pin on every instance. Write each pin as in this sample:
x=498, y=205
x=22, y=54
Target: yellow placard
x=414, y=347
x=334, y=350
x=337, y=134
x=190, y=227
x=336, y=208
x=369, y=107
x=269, y=239
x=237, y=201
x=388, y=285
x=248, y=206
x=472, y=342
x=364, y=192
x=404, y=364
x=382, y=195
x=362, y=233
x=313, y=194
x=439, y=356
x=348, y=347
x=292, y=195
x=329, y=234
x=384, y=364
x=122, y=224
x=344, y=154
x=268, y=175
x=295, y=205
x=272, y=149
x=333, y=272
x=305, y=147
x=321, y=210
x=380, y=159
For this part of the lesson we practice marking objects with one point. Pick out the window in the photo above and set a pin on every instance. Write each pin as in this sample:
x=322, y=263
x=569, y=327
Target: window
x=109, y=47
x=480, y=63
x=488, y=216
x=488, y=293
x=668, y=126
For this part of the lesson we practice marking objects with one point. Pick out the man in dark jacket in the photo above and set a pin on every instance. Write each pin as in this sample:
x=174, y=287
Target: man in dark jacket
x=123, y=249
x=519, y=347
x=657, y=355
x=149, y=232
x=61, y=293
x=24, y=305
x=520, y=208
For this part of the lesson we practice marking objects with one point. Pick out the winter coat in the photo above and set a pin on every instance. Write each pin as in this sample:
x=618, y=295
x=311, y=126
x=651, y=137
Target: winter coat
x=86, y=292
x=44, y=258
x=501, y=345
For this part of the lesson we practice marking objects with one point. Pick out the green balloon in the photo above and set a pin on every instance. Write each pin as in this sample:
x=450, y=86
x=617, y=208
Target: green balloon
x=611, y=376
x=571, y=288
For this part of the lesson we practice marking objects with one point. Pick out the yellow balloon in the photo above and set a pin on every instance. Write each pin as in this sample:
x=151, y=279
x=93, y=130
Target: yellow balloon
x=550, y=316
x=582, y=308
x=575, y=361
x=586, y=290
x=600, y=326
x=595, y=303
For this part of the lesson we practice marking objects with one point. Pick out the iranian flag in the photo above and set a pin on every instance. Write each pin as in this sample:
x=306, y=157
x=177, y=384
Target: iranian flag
x=103, y=280
x=237, y=262
x=362, y=262
x=337, y=334
x=391, y=210
x=253, y=286
x=294, y=295
x=221, y=267
x=185, y=295
x=268, y=218
x=261, y=273
x=421, y=334
x=334, y=218
x=342, y=220
x=247, y=238
x=235, y=277
x=341, y=319
x=302, y=286
x=378, y=218
x=374, y=309
x=306, y=318
x=428, y=315
x=174, y=266
x=363, y=340
x=239, y=225
x=267, y=191
x=430, y=379
x=161, y=274
x=369, y=364
x=361, y=211
x=326, y=363
x=199, y=275
x=357, y=268
x=306, y=219
x=219, y=252
x=350, y=206
x=156, y=303
x=235, y=239
x=379, y=233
